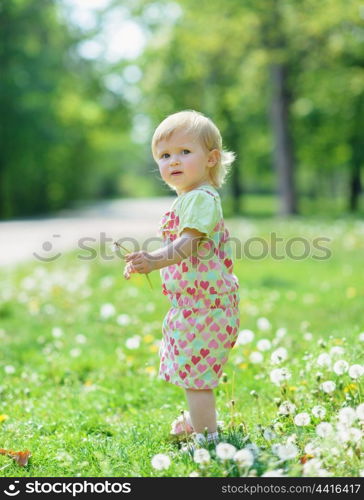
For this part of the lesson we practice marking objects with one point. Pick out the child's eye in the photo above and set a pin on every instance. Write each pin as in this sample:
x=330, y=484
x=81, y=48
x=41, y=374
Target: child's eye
x=164, y=155
x=188, y=151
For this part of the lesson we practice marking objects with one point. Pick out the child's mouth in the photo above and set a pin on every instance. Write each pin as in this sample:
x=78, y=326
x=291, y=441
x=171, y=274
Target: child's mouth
x=178, y=172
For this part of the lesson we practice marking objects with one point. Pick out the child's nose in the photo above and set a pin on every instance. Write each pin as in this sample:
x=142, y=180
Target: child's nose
x=174, y=160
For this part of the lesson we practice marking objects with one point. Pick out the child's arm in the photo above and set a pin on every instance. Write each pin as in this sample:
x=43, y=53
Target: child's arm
x=175, y=252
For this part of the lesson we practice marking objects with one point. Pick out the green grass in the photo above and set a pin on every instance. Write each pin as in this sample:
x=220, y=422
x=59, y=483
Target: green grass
x=267, y=205
x=85, y=404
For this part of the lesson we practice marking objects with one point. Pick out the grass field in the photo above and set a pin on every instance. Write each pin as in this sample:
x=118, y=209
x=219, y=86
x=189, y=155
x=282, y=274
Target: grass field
x=79, y=359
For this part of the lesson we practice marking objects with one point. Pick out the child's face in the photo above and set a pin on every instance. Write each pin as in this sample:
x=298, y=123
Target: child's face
x=183, y=162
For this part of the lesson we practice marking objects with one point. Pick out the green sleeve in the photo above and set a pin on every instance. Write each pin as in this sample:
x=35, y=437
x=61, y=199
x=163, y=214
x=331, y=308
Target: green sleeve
x=198, y=210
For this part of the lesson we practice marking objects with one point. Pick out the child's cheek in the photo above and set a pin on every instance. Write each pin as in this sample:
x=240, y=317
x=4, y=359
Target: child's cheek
x=163, y=171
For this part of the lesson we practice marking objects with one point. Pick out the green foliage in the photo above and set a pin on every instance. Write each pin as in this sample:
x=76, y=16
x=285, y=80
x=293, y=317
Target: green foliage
x=51, y=99
x=216, y=58
x=69, y=134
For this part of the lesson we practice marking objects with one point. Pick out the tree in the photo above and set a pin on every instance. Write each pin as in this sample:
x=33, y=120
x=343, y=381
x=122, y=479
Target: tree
x=56, y=116
x=234, y=60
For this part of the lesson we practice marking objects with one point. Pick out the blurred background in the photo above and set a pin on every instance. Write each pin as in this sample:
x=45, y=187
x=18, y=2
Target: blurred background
x=84, y=83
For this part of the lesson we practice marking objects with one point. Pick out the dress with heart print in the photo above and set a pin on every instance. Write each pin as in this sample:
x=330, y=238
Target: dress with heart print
x=201, y=327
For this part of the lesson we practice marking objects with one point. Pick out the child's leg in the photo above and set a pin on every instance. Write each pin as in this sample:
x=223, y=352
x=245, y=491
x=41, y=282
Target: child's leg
x=202, y=410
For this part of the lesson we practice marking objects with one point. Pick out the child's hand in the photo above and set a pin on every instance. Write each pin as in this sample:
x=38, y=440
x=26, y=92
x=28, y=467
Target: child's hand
x=140, y=261
x=129, y=269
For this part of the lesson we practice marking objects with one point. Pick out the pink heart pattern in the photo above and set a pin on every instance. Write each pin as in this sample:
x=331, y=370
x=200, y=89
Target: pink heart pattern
x=194, y=357
x=202, y=325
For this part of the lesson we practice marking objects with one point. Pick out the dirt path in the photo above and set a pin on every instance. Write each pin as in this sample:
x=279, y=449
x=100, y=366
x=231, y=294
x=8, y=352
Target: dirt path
x=46, y=239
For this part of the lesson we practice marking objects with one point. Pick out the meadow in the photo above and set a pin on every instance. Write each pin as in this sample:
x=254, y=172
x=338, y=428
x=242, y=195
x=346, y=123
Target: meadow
x=79, y=364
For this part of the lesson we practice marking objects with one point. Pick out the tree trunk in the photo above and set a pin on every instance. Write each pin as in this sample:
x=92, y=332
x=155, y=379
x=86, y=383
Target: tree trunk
x=232, y=140
x=236, y=183
x=357, y=148
x=355, y=187
x=236, y=189
x=282, y=155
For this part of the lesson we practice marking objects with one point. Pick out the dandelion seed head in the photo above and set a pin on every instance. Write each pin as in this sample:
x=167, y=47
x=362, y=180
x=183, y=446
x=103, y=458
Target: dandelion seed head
x=287, y=452
x=356, y=371
x=75, y=352
x=225, y=451
x=123, y=319
x=281, y=332
x=318, y=411
x=279, y=355
x=244, y=458
x=81, y=339
x=347, y=416
x=312, y=467
x=341, y=366
x=268, y=434
x=287, y=408
x=107, y=281
x=57, y=332
x=324, y=360
x=133, y=342
x=324, y=429
x=302, y=419
x=279, y=375
x=256, y=357
x=107, y=310
x=201, y=456
x=312, y=449
x=328, y=386
x=244, y=337
x=161, y=461
x=263, y=324
x=264, y=345
x=274, y=473
x=342, y=435
x=355, y=435
x=291, y=439
x=360, y=411
x=337, y=351
x=253, y=448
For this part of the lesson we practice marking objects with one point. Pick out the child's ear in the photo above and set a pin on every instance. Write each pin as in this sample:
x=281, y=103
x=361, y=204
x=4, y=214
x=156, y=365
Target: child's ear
x=214, y=156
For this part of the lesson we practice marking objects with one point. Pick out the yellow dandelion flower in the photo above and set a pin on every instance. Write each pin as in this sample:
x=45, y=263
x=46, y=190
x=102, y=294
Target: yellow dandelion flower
x=337, y=341
x=350, y=292
x=33, y=306
x=153, y=348
x=350, y=387
x=56, y=290
x=150, y=370
x=243, y=366
x=293, y=388
x=148, y=338
x=3, y=418
x=88, y=383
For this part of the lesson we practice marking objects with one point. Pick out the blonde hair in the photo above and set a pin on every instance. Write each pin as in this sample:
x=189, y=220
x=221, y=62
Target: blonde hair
x=206, y=131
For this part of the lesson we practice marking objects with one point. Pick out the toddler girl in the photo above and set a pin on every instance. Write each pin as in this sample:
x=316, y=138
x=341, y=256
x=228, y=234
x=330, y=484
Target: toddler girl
x=196, y=264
